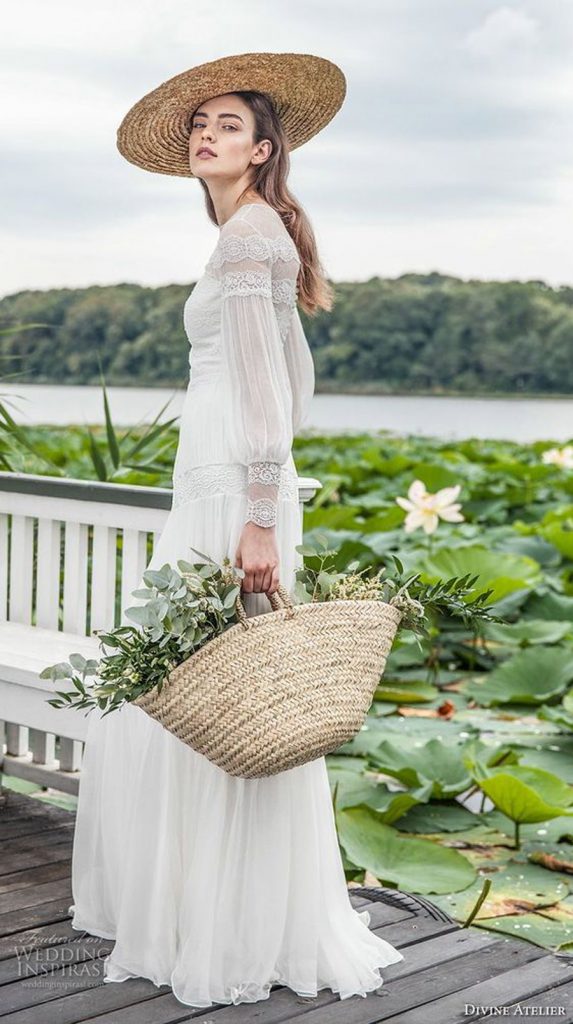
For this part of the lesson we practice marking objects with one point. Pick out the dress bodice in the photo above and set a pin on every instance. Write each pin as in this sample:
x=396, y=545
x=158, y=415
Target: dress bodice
x=254, y=234
x=248, y=351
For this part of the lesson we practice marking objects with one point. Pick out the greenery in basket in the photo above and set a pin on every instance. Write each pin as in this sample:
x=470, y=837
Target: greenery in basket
x=319, y=580
x=183, y=610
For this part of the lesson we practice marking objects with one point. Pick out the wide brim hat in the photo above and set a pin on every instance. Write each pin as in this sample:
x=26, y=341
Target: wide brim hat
x=306, y=92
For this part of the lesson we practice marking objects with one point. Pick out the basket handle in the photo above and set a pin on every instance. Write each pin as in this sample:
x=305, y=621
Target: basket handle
x=279, y=598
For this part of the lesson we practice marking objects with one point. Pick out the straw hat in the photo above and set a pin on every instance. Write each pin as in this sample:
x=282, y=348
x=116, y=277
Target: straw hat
x=306, y=92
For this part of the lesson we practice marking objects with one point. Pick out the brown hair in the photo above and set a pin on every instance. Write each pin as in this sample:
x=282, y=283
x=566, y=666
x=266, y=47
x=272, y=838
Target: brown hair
x=314, y=290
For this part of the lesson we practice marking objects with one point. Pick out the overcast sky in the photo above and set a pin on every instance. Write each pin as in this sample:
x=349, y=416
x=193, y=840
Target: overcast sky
x=453, y=150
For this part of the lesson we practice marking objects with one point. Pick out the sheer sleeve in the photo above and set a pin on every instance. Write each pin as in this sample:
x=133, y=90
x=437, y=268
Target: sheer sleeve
x=300, y=367
x=256, y=383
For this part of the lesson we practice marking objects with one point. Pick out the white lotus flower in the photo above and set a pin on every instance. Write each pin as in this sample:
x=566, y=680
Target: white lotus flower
x=425, y=509
x=559, y=456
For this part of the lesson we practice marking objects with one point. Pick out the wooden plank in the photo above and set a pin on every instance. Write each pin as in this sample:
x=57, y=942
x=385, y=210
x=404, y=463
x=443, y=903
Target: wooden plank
x=32, y=938
x=24, y=807
x=284, y=1004
x=398, y=1001
x=49, y=972
x=48, y=573
x=3, y=566
x=21, y=859
x=75, y=577
x=18, y=828
x=102, y=590
x=414, y=929
x=31, y=917
x=72, y=510
x=383, y=915
x=44, y=775
x=58, y=834
x=43, y=748
x=34, y=895
x=21, y=568
x=71, y=752
x=524, y=981
x=98, y=998
x=35, y=876
x=133, y=564
x=558, y=998
x=17, y=739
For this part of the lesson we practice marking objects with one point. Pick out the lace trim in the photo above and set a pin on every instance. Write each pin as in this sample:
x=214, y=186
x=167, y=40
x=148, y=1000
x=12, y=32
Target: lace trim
x=225, y=478
x=234, y=248
x=246, y=282
x=263, y=512
x=264, y=473
x=285, y=290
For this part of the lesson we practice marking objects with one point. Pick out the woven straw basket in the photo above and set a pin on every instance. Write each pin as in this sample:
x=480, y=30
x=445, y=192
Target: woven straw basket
x=277, y=690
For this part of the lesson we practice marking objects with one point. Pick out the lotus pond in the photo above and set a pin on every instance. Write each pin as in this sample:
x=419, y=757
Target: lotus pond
x=463, y=771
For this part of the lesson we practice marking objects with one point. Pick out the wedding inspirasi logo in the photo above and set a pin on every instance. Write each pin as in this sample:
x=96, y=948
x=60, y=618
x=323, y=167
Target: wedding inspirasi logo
x=55, y=961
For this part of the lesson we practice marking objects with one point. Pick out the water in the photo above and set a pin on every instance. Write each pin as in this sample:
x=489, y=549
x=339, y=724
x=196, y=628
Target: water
x=519, y=419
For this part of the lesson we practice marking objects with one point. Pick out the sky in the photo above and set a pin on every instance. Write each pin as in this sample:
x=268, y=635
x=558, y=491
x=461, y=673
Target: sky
x=453, y=150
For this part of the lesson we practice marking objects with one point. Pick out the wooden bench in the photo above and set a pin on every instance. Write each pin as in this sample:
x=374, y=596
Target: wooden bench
x=71, y=553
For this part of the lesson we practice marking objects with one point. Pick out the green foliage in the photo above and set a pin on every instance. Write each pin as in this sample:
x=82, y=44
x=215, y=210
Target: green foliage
x=506, y=694
x=416, y=333
x=178, y=613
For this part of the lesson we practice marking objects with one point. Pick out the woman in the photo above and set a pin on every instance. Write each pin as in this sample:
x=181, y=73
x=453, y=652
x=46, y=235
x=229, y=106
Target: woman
x=216, y=885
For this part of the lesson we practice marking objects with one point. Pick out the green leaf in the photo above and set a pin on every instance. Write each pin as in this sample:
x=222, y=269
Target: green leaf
x=433, y=762
x=503, y=573
x=78, y=662
x=111, y=436
x=417, y=865
x=98, y=462
x=526, y=794
x=529, y=677
x=413, y=691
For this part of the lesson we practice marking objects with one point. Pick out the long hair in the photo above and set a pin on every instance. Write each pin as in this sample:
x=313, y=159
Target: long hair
x=269, y=181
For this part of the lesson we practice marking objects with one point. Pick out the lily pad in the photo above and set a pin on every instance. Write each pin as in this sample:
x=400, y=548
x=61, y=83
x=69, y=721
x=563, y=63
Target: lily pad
x=413, y=692
x=416, y=865
x=526, y=794
x=434, y=761
x=551, y=856
x=527, y=631
x=515, y=889
x=530, y=677
x=501, y=572
x=553, y=754
x=437, y=817
x=552, y=831
x=552, y=929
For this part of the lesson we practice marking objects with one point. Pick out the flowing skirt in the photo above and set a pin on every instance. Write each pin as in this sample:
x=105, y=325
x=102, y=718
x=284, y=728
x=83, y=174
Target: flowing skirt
x=217, y=886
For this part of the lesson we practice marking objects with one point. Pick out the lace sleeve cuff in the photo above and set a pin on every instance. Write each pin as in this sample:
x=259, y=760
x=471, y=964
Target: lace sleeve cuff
x=262, y=492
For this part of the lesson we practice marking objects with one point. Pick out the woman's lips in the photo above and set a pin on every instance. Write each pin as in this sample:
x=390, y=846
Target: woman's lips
x=205, y=156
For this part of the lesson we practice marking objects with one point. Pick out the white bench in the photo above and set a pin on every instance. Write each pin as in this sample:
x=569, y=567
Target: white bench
x=71, y=553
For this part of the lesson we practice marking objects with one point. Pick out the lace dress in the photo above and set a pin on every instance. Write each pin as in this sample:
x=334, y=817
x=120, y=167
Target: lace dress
x=217, y=886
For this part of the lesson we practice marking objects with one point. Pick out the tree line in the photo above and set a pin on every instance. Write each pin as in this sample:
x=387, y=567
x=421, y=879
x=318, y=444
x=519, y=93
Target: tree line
x=428, y=333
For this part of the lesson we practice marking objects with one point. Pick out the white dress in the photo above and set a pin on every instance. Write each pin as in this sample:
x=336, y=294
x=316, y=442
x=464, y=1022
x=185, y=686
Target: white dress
x=215, y=885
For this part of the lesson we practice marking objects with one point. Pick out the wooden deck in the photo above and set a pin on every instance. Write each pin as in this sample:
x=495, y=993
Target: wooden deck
x=50, y=974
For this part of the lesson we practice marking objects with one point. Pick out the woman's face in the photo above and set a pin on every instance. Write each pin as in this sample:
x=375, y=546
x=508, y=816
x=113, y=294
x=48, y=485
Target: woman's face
x=225, y=126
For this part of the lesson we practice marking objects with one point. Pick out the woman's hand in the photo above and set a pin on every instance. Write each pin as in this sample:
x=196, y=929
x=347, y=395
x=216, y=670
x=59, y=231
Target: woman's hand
x=258, y=555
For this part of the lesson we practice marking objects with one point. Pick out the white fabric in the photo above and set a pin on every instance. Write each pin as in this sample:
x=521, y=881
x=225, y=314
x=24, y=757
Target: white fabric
x=218, y=886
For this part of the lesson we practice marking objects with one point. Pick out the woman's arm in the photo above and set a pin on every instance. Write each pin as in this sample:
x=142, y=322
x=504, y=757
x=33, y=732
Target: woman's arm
x=257, y=390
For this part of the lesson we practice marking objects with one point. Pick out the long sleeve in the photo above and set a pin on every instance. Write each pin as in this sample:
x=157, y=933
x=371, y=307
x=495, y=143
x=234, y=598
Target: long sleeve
x=300, y=367
x=256, y=382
